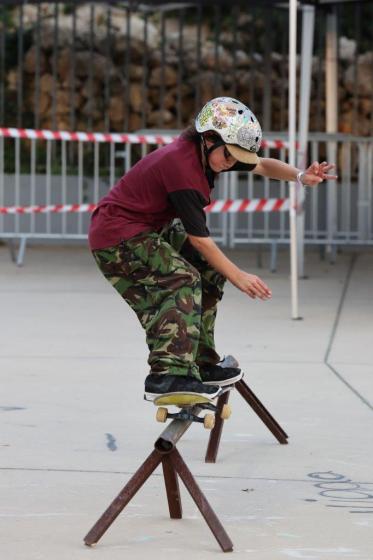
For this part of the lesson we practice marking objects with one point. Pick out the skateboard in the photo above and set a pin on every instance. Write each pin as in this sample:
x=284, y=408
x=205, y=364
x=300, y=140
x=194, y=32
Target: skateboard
x=188, y=402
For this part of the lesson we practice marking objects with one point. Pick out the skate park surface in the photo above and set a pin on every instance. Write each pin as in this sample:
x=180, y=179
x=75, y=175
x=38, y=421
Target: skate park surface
x=74, y=426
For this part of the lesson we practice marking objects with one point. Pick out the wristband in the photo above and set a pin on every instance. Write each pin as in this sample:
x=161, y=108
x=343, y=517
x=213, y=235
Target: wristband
x=299, y=177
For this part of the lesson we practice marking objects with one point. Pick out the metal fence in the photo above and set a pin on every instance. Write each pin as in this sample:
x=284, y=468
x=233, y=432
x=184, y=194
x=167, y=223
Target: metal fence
x=55, y=203
x=336, y=213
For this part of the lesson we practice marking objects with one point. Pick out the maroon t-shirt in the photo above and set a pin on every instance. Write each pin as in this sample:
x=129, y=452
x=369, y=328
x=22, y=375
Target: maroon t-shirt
x=166, y=184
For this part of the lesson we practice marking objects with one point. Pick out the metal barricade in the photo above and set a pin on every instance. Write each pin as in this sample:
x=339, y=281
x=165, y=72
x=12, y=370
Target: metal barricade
x=50, y=181
x=336, y=212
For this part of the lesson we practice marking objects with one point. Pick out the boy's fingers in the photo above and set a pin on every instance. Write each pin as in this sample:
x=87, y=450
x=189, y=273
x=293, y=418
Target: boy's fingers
x=263, y=289
x=328, y=168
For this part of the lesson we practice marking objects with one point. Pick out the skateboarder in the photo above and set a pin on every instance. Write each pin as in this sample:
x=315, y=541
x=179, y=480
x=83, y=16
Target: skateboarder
x=149, y=238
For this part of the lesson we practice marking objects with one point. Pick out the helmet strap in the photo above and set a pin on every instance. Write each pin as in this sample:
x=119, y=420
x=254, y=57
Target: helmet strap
x=210, y=174
x=215, y=145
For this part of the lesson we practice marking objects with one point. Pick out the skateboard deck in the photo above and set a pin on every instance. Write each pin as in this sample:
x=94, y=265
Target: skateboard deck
x=183, y=399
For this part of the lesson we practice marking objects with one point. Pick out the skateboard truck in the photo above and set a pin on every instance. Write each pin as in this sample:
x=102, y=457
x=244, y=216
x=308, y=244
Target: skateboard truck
x=188, y=414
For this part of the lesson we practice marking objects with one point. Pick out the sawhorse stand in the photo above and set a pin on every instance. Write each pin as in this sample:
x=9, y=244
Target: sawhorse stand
x=165, y=452
x=253, y=401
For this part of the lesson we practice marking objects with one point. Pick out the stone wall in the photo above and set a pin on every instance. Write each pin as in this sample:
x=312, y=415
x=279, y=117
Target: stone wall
x=105, y=97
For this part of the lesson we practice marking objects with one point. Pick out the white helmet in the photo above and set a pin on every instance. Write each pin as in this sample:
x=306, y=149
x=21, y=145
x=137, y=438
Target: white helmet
x=237, y=126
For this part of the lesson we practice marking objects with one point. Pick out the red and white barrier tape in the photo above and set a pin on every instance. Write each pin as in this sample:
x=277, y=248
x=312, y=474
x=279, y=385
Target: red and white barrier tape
x=231, y=206
x=249, y=205
x=54, y=208
x=112, y=137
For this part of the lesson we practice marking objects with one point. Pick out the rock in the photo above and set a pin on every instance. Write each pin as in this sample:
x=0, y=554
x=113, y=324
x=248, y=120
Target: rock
x=169, y=75
x=116, y=37
x=212, y=59
x=85, y=60
x=170, y=99
x=117, y=83
x=117, y=126
x=117, y=109
x=98, y=126
x=137, y=27
x=170, y=59
x=207, y=87
x=72, y=81
x=88, y=89
x=93, y=108
x=346, y=123
x=276, y=57
x=136, y=97
x=47, y=32
x=44, y=103
x=347, y=49
x=363, y=78
x=136, y=72
x=62, y=123
x=31, y=60
x=188, y=109
x=135, y=121
x=46, y=122
x=244, y=20
x=47, y=83
x=30, y=13
x=12, y=80
x=62, y=102
x=366, y=106
x=64, y=64
x=190, y=37
x=242, y=59
x=160, y=118
x=254, y=79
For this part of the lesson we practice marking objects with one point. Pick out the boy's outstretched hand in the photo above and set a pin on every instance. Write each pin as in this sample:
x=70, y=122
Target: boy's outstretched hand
x=316, y=173
x=252, y=285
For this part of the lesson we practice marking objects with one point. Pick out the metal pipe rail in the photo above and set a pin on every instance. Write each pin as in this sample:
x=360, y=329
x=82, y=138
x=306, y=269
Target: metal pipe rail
x=168, y=439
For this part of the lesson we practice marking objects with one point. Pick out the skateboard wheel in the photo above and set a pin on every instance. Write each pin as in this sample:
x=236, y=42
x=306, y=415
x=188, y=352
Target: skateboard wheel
x=226, y=411
x=161, y=415
x=209, y=421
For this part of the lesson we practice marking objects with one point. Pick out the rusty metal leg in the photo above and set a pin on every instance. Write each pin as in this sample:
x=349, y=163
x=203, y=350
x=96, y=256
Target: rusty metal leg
x=214, y=440
x=261, y=411
x=172, y=488
x=130, y=489
x=201, y=501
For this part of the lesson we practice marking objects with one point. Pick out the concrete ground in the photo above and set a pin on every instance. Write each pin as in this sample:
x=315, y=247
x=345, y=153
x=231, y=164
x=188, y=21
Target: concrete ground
x=74, y=427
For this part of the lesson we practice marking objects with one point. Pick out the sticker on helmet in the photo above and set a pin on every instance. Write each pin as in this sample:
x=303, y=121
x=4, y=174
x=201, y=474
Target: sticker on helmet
x=248, y=137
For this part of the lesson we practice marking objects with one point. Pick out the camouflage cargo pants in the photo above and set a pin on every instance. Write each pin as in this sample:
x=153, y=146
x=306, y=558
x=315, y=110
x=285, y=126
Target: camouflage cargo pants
x=174, y=293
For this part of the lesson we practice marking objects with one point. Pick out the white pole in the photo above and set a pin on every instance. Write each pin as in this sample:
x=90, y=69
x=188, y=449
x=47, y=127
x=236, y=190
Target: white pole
x=292, y=153
x=308, y=24
x=331, y=75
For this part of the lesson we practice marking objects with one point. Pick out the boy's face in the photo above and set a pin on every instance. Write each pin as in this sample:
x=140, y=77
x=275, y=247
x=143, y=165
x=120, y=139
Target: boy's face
x=220, y=159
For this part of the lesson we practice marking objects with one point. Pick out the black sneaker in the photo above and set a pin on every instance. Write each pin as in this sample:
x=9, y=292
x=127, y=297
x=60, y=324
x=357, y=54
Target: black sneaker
x=218, y=375
x=157, y=385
